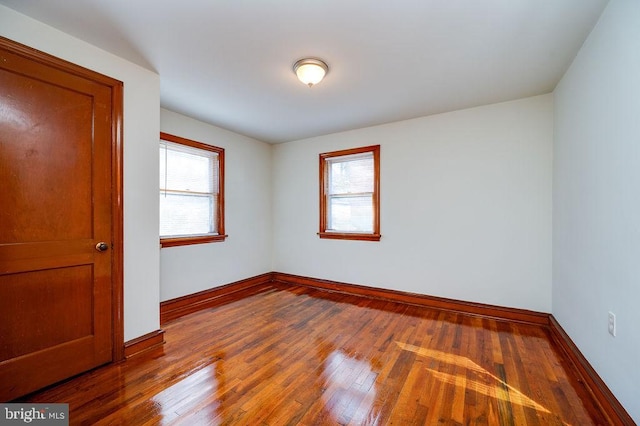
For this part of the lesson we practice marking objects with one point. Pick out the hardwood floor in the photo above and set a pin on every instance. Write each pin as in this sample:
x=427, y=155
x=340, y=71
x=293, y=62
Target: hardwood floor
x=300, y=356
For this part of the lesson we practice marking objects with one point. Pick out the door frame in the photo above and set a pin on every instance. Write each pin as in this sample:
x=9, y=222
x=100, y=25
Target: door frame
x=117, y=163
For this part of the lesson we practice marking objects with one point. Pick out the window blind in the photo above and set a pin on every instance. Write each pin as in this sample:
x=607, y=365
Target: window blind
x=350, y=193
x=189, y=186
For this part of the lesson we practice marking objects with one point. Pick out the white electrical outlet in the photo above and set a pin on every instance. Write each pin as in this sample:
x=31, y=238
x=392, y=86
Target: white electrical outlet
x=612, y=324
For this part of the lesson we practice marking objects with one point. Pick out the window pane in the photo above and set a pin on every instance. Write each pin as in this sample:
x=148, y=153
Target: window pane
x=350, y=194
x=186, y=215
x=352, y=176
x=351, y=214
x=182, y=170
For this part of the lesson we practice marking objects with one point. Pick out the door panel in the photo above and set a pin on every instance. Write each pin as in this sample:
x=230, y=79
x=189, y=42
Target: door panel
x=45, y=313
x=49, y=174
x=57, y=142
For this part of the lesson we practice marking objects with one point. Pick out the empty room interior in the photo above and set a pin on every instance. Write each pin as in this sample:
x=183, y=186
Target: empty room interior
x=440, y=226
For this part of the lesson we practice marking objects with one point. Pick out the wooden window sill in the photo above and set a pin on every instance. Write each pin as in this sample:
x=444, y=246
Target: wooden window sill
x=349, y=236
x=185, y=241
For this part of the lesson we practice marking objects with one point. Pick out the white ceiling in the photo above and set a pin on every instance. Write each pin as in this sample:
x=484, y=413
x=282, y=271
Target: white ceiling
x=229, y=62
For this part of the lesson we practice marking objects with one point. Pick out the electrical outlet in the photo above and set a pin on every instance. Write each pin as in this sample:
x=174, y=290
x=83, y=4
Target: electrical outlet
x=612, y=324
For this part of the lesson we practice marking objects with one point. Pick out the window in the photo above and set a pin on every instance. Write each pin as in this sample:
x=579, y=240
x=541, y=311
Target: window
x=191, y=192
x=350, y=194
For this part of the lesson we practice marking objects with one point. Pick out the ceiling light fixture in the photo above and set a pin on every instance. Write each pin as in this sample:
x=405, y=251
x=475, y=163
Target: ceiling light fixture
x=310, y=71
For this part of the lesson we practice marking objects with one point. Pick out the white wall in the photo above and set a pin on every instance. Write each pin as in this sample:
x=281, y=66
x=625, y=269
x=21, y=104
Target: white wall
x=141, y=127
x=466, y=199
x=247, y=250
x=596, y=226
x=465, y=206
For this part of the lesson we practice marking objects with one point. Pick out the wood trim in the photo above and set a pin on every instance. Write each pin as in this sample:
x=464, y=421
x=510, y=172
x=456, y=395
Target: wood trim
x=471, y=308
x=140, y=344
x=175, y=308
x=117, y=96
x=601, y=394
x=185, y=241
x=605, y=399
x=349, y=236
x=322, y=178
x=117, y=209
x=587, y=375
x=56, y=62
x=220, y=236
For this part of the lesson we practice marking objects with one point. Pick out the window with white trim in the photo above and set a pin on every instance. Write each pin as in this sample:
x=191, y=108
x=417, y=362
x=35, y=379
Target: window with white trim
x=191, y=192
x=350, y=194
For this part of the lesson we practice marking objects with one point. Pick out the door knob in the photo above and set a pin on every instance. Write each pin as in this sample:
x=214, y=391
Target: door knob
x=102, y=246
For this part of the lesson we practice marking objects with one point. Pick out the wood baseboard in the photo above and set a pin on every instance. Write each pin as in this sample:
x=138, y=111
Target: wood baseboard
x=470, y=308
x=608, y=403
x=143, y=343
x=601, y=393
x=175, y=308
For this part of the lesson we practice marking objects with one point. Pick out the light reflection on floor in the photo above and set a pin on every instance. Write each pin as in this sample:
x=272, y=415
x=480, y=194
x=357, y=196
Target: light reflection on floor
x=499, y=390
x=191, y=395
x=340, y=372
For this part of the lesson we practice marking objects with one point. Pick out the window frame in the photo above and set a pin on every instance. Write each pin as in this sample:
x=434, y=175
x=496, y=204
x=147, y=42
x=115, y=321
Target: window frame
x=200, y=239
x=324, y=184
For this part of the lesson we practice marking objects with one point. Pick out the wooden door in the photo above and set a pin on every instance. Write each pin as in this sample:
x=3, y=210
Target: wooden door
x=59, y=286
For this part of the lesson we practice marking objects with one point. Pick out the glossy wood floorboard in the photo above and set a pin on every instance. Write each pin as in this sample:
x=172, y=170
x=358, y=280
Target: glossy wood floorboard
x=299, y=356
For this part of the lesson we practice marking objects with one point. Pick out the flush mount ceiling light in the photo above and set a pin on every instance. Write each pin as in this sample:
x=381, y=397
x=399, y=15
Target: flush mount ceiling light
x=310, y=71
